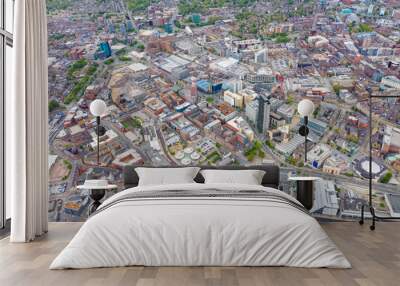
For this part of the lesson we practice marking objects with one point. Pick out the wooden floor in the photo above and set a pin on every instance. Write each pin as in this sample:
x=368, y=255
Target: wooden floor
x=375, y=257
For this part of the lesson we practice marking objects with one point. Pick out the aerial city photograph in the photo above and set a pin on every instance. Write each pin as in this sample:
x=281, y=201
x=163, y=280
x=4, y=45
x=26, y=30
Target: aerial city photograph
x=218, y=82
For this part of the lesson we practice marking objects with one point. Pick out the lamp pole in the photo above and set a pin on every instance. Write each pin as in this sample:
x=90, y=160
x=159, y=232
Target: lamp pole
x=305, y=138
x=370, y=146
x=98, y=140
x=370, y=206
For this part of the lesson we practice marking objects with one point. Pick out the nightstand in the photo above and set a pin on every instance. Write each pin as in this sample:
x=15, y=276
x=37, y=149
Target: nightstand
x=305, y=190
x=97, y=190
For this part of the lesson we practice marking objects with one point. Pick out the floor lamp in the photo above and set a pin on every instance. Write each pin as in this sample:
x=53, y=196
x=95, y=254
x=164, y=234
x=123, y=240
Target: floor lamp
x=98, y=107
x=371, y=208
x=305, y=109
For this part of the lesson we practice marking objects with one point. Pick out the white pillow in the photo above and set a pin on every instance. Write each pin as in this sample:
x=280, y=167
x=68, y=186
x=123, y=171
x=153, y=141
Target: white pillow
x=248, y=177
x=166, y=176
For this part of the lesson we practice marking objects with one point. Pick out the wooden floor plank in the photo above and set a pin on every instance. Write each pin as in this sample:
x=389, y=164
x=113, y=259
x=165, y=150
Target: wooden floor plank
x=375, y=257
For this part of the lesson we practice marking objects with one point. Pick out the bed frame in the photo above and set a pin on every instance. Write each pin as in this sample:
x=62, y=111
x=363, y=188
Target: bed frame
x=270, y=179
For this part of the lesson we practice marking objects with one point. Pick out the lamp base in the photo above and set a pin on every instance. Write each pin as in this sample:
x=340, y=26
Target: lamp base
x=374, y=217
x=100, y=131
x=303, y=130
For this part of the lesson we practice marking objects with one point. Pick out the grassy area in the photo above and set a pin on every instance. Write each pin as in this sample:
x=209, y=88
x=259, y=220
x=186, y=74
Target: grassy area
x=92, y=70
x=364, y=28
x=124, y=58
x=353, y=138
x=56, y=36
x=292, y=161
x=134, y=122
x=254, y=151
x=336, y=88
x=75, y=67
x=77, y=90
x=67, y=164
x=281, y=38
x=138, y=5
x=109, y=61
x=139, y=47
x=54, y=5
x=121, y=52
x=82, y=83
x=386, y=178
x=214, y=157
x=69, y=167
x=270, y=144
x=187, y=7
x=290, y=99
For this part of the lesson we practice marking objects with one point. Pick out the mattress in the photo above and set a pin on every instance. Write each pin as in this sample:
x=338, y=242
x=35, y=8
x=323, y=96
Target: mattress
x=201, y=225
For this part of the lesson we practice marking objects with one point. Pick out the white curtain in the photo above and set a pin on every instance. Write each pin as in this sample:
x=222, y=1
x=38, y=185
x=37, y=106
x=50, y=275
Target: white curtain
x=26, y=120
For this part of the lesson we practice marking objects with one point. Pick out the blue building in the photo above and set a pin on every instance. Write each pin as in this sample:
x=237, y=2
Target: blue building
x=377, y=76
x=196, y=19
x=111, y=28
x=168, y=28
x=106, y=49
x=207, y=87
x=203, y=85
x=216, y=87
x=347, y=11
x=129, y=25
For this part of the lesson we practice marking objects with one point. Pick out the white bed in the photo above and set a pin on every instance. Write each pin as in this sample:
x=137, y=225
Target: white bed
x=185, y=230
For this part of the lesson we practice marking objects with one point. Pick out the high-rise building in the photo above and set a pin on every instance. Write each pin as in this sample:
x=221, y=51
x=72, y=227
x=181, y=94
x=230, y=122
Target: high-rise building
x=252, y=111
x=234, y=99
x=106, y=49
x=122, y=28
x=264, y=110
x=129, y=25
x=370, y=9
x=261, y=56
x=193, y=90
x=236, y=85
x=111, y=28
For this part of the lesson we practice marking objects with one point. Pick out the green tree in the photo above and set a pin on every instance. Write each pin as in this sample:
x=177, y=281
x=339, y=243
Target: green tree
x=109, y=61
x=290, y=99
x=336, y=88
x=386, y=178
x=364, y=28
x=53, y=104
x=140, y=47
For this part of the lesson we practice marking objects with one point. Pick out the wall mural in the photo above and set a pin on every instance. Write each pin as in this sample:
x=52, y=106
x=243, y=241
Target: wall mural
x=218, y=82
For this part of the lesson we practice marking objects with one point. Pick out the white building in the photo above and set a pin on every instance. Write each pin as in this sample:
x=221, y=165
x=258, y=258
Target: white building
x=234, y=99
x=261, y=56
x=325, y=199
x=252, y=111
x=287, y=148
x=317, y=156
x=390, y=82
x=393, y=202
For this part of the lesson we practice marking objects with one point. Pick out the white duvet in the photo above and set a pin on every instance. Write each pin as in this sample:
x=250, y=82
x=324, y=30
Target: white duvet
x=200, y=231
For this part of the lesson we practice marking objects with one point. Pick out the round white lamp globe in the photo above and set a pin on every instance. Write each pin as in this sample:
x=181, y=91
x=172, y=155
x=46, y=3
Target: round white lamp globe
x=305, y=107
x=98, y=107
